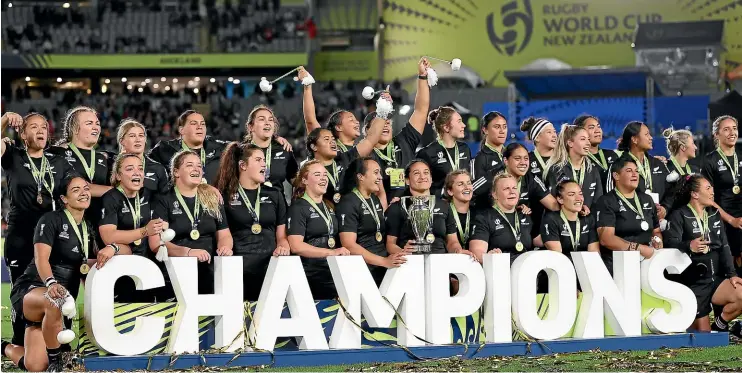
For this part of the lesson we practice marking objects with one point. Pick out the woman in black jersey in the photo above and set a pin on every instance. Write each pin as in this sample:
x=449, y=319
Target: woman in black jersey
x=696, y=229
x=570, y=161
x=321, y=143
x=126, y=219
x=33, y=179
x=601, y=158
x=394, y=152
x=626, y=218
x=442, y=235
x=566, y=231
x=132, y=139
x=361, y=215
x=488, y=161
x=532, y=192
x=193, y=210
x=256, y=213
x=459, y=190
x=80, y=136
x=449, y=153
x=681, y=148
x=63, y=245
x=501, y=228
x=544, y=136
x=261, y=130
x=312, y=228
x=634, y=143
x=722, y=168
x=192, y=130
x=343, y=125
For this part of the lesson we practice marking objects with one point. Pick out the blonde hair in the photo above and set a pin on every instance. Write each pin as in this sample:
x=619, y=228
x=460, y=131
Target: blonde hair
x=561, y=152
x=499, y=177
x=124, y=127
x=71, y=124
x=716, y=126
x=117, y=166
x=251, y=120
x=207, y=195
x=440, y=117
x=451, y=177
x=676, y=139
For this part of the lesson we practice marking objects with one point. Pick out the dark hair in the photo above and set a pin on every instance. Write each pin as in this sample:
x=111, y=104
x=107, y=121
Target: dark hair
x=413, y=162
x=64, y=185
x=313, y=137
x=632, y=129
x=528, y=124
x=440, y=117
x=511, y=148
x=350, y=176
x=368, y=119
x=300, y=188
x=27, y=118
x=580, y=121
x=559, y=189
x=183, y=117
x=228, y=177
x=489, y=117
x=620, y=163
x=687, y=184
x=334, y=120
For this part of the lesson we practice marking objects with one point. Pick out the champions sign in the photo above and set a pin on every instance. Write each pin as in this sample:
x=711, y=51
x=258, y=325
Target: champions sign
x=415, y=297
x=496, y=36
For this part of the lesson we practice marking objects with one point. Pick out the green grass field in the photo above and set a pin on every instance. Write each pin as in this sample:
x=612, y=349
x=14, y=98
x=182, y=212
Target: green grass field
x=721, y=359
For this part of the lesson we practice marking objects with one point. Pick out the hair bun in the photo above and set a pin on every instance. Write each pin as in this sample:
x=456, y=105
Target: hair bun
x=433, y=115
x=527, y=124
x=667, y=132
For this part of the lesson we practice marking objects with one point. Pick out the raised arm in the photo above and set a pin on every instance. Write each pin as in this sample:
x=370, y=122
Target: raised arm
x=422, y=97
x=310, y=115
x=366, y=146
x=9, y=119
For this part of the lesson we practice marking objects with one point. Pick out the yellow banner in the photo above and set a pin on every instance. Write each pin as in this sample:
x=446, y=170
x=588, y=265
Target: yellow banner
x=162, y=61
x=346, y=65
x=492, y=36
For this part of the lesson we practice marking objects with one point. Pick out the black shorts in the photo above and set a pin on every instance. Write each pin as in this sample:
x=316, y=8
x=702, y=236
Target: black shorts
x=704, y=290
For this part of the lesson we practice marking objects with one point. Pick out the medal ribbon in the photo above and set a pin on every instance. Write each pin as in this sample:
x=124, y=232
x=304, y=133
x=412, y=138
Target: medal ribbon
x=463, y=233
x=734, y=170
x=136, y=211
x=516, y=229
x=539, y=159
x=254, y=211
x=454, y=165
x=341, y=145
x=581, y=178
x=390, y=156
x=203, y=152
x=490, y=147
x=38, y=175
x=374, y=214
x=681, y=170
x=574, y=237
x=638, y=209
x=645, y=170
x=196, y=207
x=600, y=162
x=334, y=176
x=89, y=167
x=703, y=221
x=82, y=239
x=326, y=216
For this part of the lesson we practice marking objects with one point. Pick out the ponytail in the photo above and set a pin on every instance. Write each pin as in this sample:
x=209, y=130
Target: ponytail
x=208, y=196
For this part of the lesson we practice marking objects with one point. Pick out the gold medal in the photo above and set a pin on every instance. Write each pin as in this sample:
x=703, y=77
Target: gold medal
x=336, y=198
x=195, y=235
x=736, y=189
x=268, y=183
x=331, y=242
x=519, y=246
x=40, y=200
x=256, y=228
x=378, y=236
x=388, y=171
x=84, y=268
x=430, y=238
x=138, y=242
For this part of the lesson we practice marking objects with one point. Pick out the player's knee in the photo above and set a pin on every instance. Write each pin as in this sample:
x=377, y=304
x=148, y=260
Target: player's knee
x=36, y=365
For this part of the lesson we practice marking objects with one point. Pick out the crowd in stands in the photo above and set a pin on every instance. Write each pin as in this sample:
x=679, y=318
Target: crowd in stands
x=154, y=26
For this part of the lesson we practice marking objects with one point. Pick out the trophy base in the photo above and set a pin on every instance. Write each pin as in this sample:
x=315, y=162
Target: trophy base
x=422, y=248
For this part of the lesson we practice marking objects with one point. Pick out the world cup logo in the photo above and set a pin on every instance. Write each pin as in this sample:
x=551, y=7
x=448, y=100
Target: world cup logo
x=516, y=19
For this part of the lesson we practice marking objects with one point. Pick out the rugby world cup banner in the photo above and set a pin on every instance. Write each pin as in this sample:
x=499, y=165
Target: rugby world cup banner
x=496, y=303
x=492, y=36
